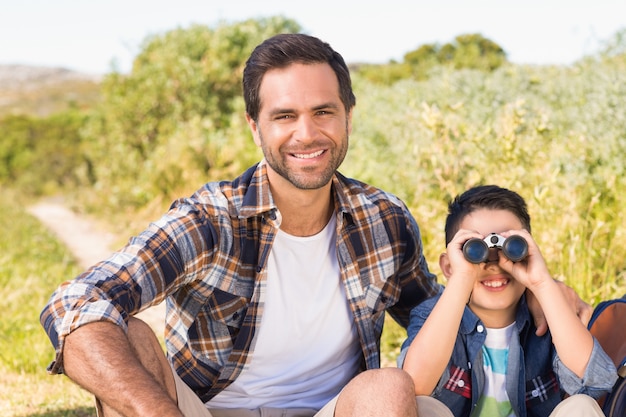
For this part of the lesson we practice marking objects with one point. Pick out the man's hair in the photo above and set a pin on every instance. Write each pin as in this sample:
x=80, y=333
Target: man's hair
x=283, y=50
x=489, y=197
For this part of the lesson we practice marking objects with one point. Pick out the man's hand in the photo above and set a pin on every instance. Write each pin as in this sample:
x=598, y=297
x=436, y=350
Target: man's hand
x=582, y=309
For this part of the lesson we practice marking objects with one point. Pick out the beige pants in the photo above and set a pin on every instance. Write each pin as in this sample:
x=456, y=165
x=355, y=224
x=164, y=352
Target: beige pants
x=574, y=406
x=192, y=406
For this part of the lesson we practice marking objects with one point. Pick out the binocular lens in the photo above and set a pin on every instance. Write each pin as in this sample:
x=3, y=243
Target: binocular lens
x=475, y=250
x=515, y=248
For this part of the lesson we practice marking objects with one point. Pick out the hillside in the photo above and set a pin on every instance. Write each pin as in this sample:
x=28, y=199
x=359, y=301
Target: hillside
x=41, y=91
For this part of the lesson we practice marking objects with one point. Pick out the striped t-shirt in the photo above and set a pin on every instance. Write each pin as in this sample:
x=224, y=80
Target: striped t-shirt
x=494, y=400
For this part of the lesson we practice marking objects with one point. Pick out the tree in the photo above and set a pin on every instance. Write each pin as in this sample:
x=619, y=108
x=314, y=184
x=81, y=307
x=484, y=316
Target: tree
x=477, y=52
x=466, y=51
x=183, y=80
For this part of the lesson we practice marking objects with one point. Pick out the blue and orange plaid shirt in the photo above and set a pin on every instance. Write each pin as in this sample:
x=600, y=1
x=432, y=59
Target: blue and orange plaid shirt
x=207, y=258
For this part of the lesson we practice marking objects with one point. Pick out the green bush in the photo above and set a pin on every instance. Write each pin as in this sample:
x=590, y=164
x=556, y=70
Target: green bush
x=42, y=155
x=554, y=134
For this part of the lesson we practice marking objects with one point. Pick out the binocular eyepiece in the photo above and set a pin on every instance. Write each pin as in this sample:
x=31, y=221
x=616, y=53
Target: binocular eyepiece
x=514, y=247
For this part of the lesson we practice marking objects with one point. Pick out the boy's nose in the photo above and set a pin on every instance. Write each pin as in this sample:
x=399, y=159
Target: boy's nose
x=493, y=255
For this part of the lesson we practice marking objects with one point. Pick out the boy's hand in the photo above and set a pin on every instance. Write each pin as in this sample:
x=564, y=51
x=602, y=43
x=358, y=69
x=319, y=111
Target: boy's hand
x=461, y=272
x=532, y=272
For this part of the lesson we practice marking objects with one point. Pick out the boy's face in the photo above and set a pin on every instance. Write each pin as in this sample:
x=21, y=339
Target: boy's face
x=496, y=293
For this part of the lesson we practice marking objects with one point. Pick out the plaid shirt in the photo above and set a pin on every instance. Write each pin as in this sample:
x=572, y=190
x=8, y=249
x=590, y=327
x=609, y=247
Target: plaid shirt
x=207, y=257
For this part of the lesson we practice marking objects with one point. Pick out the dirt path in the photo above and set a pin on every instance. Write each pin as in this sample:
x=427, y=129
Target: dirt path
x=89, y=243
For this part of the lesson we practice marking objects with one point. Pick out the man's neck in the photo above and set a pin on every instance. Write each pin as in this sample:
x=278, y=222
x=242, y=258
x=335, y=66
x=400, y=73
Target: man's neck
x=304, y=212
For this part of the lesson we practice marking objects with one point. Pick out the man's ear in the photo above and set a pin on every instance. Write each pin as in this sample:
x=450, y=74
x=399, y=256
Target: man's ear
x=444, y=264
x=254, y=128
x=349, y=122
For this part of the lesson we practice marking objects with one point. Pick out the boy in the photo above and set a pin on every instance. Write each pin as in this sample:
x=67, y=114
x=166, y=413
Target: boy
x=474, y=348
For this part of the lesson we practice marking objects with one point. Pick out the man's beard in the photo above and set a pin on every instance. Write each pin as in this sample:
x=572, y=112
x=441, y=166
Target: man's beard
x=301, y=179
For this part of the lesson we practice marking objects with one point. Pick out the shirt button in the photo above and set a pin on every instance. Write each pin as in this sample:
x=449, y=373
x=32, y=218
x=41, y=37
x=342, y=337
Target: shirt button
x=535, y=393
x=461, y=383
x=480, y=328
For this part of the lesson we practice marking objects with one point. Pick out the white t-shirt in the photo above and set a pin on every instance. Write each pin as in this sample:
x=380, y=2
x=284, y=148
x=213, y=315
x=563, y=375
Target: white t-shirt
x=306, y=348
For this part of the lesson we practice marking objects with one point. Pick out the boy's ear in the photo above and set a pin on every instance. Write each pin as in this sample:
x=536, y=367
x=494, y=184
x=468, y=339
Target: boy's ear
x=444, y=264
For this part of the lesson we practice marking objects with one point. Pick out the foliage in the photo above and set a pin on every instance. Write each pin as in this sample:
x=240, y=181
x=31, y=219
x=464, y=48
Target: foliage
x=41, y=154
x=615, y=46
x=553, y=134
x=471, y=51
x=387, y=74
x=168, y=117
x=468, y=51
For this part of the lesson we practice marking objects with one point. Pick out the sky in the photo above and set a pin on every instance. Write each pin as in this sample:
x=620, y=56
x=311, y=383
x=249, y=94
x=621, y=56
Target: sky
x=96, y=36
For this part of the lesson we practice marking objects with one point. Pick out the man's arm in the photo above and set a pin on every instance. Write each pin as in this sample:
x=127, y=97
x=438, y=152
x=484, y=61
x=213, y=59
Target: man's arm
x=100, y=358
x=582, y=309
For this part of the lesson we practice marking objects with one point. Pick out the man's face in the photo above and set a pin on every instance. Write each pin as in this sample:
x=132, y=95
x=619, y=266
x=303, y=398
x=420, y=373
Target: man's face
x=302, y=126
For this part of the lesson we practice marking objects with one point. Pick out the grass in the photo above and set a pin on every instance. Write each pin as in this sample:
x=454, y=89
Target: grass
x=32, y=264
x=40, y=395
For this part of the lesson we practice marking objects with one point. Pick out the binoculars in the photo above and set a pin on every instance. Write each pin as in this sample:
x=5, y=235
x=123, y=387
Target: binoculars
x=514, y=247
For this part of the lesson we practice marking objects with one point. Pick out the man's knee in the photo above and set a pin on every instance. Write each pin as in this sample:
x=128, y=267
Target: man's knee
x=384, y=378
x=142, y=338
x=389, y=391
x=150, y=353
x=138, y=327
x=578, y=405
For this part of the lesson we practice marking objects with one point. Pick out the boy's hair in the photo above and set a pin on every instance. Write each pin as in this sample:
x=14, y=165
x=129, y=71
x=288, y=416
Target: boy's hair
x=283, y=50
x=489, y=197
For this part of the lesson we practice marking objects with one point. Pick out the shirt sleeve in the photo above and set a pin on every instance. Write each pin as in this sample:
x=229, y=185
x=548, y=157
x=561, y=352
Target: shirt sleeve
x=139, y=275
x=599, y=378
x=417, y=282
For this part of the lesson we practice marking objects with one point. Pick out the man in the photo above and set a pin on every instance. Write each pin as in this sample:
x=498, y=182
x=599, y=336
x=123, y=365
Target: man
x=276, y=283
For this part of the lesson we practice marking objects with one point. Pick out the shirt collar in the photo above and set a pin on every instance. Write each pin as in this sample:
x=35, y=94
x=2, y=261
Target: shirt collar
x=522, y=318
x=258, y=200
